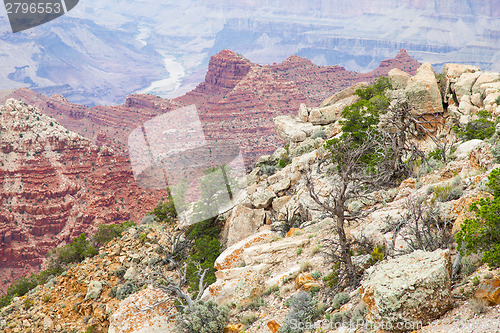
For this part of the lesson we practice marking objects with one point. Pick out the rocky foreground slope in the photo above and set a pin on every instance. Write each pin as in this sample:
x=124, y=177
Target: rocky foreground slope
x=261, y=268
x=56, y=184
x=236, y=102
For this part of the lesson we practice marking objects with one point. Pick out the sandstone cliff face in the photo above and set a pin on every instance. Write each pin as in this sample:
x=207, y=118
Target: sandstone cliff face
x=56, y=184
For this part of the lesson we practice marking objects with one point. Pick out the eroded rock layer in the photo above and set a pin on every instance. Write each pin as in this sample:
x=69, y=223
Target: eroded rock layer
x=56, y=184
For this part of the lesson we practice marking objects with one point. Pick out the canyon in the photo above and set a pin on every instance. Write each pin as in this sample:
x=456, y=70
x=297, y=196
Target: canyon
x=236, y=102
x=65, y=175
x=56, y=184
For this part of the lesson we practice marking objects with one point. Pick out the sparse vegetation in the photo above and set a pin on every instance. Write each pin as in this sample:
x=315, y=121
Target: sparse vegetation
x=165, y=211
x=482, y=233
x=303, y=310
x=204, y=317
x=481, y=128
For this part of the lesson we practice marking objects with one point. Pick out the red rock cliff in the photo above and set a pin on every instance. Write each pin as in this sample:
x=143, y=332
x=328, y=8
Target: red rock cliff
x=56, y=184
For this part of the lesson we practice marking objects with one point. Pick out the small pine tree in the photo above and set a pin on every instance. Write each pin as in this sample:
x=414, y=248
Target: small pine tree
x=482, y=233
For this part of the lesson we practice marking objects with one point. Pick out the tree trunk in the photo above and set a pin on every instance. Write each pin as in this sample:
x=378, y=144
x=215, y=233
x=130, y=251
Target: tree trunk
x=345, y=246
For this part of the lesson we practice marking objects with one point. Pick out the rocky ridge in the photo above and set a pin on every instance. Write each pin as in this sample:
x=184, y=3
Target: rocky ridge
x=55, y=185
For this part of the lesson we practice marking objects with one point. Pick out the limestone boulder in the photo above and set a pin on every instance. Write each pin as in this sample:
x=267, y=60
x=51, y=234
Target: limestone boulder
x=242, y=222
x=451, y=73
x=348, y=92
x=399, y=79
x=407, y=289
x=231, y=257
x=331, y=113
x=489, y=102
x=466, y=147
x=93, y=290
x=423, y=90
x=466, y=107
x=486, y=80
x=291, y=130
x=133, y=314
x=464, y=84
x=262, y=198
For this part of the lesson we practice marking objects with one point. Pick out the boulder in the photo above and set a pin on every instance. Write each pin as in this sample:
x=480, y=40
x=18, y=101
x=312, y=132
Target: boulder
x=130, y=316
x=466, y=107
x=489, y=291
x=280, y=203
x=344, y=94
x=331, y=113
x=131, y=273
x=399, y=79
x=484, y=81
x=451, y=73
x=93, y=290
x=231, y=257
x=291, y=130
x=242, y=222
x=490, y=98
x=408, y=289
x=466, y=147
x=249, y=287
x=464, y=84
x=262, y=198
x=423, y=90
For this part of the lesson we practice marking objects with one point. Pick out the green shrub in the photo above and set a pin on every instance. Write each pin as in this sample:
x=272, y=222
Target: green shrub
x=319, y=134
x=364, y=114
x=378, y=254
x=74, y=252
x=482, y=233
x=205, y=250
x=332, y=279
x=340, y=299
x=126, y=289
x=481, y=128
x=206, y=317
x=107, y=232
x=255, y=304
x=165, y=211
x=28, y=303
x=5, y=300
x=495, y=151
x=268, y=170
x=316, y=275
x=303, y=310
x=249, y=319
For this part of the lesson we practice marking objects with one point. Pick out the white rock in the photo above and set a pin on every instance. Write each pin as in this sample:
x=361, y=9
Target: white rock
x=242, y=222
x=132, y=314
x=465, y=148
x=464, y=84
x=410, y=288
x=423, y=90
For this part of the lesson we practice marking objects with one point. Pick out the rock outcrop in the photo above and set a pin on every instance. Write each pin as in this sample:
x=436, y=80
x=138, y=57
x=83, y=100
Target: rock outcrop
x=408, y=289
